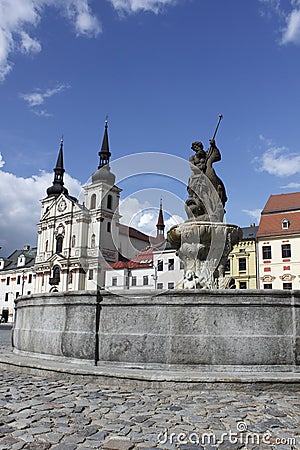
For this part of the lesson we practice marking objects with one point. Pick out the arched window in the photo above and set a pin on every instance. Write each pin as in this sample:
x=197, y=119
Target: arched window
x=93, y=241
x=46, y=246
x=73, y=243
x=59, y=243
x=93, y=201
x=56, y=274
x=109, y=202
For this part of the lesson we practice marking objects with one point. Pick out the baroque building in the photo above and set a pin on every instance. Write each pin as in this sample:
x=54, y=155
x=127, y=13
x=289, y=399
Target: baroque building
x=78, y=241
x=278, y=241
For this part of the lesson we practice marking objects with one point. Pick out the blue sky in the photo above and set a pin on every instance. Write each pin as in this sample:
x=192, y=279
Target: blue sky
x=162, y=70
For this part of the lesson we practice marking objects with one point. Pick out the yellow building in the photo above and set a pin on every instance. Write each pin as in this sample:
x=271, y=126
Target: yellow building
x=242, y=262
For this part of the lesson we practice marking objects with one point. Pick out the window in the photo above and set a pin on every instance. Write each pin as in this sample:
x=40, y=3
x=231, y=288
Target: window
x=17, y=294
x=268, y=286
x=28, y=292
x=6, y=297
x=91, y=274
x=181, y=265
x=160, y=265
x=59, y=243
x=287, y=286
x=19, y=279
x=73, y=243
x=160, y=285
x=46, y=246
x=227, y=266
x=285, y=224
x=93, y=201
x=171, y=264
x=108, y=227
x=114, y=281
x=30, y=278
x=242, y=264
x=145, y=280
x=93, y=241
x=56, y=274
x=266, y=252
x=286, y=250
x=70, y=277
x=133, y=281
x=109, y=202
x=171, y=285
x=243, y=284
x=7, y=281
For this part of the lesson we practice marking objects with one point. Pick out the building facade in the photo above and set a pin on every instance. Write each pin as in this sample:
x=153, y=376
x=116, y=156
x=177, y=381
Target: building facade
x=242, y=260
x=278, y=241
x=78, y=242
x=17, y=277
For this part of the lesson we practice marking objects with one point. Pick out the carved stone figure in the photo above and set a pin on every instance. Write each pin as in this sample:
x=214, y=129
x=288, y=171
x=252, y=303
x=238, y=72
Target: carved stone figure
x=203, y=242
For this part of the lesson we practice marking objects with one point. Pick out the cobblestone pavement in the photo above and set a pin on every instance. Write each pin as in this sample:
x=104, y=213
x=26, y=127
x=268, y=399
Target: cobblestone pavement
x=52, y=413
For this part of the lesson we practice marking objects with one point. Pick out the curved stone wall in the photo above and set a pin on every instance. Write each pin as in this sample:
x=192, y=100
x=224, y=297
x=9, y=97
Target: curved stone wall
x=210, y=328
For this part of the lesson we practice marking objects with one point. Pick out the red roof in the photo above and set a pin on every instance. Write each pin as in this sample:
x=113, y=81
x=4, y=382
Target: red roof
x=271, y=225
x=282, y=203
x=277, y=208
x=142, y=260
x=133, y=233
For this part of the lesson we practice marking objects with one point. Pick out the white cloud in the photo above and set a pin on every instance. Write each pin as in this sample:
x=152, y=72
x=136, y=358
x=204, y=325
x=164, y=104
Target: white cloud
x=133, y=6
x=291, y=186
x=80, y=14
x=291, y=32
x=20, y=207
x=280, y=162
x=29, y=45
x=288, y=14
x=38, y=97
x=18, y=16
x=254, y=214
x=1, y=161
x=143, y=216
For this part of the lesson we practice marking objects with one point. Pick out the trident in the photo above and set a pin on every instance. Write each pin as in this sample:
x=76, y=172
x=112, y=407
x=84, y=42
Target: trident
x=219, y=120
x=209, y=151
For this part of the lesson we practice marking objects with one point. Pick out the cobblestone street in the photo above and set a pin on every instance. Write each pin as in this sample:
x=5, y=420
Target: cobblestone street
x=60, y=414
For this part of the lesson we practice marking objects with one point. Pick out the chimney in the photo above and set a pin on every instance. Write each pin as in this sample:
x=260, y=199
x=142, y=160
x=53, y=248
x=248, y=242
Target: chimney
x=26, y=248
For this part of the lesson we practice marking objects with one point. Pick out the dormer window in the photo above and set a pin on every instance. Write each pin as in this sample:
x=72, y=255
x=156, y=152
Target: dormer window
x=285, y=224
x=1, y=263
x=21, y=261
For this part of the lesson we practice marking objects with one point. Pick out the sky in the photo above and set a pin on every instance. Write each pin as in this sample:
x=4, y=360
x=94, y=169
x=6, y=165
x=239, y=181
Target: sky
x=162, y=71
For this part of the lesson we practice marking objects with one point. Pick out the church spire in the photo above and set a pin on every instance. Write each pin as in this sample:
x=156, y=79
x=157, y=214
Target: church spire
x=58, y=183
x=160, y=226
x=104, y=153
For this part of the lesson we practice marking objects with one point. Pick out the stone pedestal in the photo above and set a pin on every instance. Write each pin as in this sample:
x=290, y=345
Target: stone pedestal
x=204, y=248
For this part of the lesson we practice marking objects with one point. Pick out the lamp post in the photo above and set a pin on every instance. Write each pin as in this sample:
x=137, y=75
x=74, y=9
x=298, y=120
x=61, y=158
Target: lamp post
x=155, y=277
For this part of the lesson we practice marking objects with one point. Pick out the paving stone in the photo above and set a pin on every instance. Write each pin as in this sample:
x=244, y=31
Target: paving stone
x=117, y=444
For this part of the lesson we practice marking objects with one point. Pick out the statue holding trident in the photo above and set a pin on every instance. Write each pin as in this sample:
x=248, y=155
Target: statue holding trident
x=203, y=180
x=204, y=241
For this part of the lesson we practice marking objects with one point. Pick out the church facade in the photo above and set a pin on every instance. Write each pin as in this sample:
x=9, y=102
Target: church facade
x=77, y=242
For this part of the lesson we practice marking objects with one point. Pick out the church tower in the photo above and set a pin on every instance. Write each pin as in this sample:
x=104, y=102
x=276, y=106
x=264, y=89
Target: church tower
x=102, y=201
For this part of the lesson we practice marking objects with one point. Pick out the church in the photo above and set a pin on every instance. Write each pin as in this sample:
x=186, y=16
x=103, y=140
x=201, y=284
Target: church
x=77, y=241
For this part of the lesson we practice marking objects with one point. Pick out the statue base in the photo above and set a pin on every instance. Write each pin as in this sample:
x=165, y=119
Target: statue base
x=203, y=247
